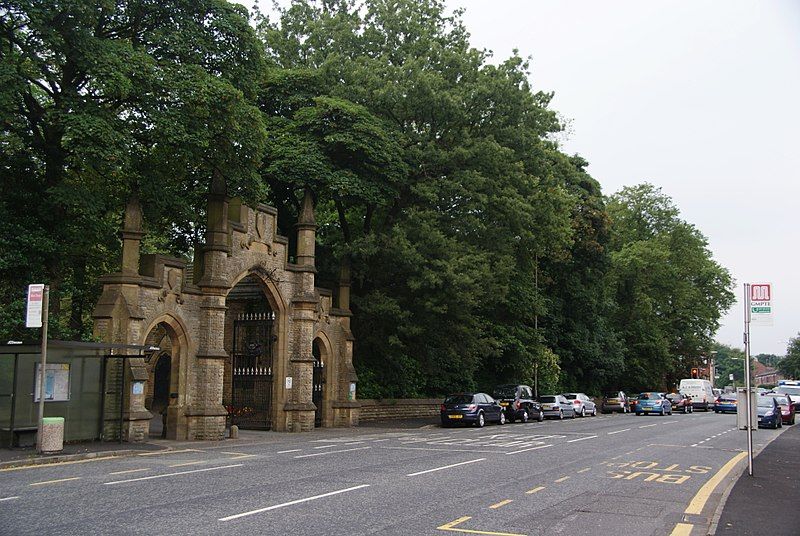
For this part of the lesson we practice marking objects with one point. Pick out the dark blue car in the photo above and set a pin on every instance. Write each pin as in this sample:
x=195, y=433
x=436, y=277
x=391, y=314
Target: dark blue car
x=769, y=412
x=653, y=403
x=726, y=402
x=471, y=408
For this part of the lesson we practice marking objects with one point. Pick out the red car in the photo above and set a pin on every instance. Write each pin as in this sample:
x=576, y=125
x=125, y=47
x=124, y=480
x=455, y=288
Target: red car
x=680, y=402
x=787, y=408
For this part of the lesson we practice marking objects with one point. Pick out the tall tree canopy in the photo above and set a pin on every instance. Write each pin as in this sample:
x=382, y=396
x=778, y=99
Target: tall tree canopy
x=100, y=100
x=480, y=253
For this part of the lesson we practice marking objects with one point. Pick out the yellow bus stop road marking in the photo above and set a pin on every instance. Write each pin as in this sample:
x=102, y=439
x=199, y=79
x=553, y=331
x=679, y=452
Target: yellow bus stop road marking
x=187, y=463
x=55, y=481
x=534, y=490
x=699, y=500
x=40, y=465
x=452, y=528
x=501, y=503
x=682, y=529
x=562, y=479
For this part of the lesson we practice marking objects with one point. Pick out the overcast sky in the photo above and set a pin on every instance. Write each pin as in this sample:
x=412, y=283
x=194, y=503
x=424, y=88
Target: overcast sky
x=700, y=98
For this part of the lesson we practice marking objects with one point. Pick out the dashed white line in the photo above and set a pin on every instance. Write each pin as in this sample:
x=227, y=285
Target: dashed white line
x=325, y=447
x=290, y=503
x=287, y=451
x=330, y=452
x=619, y=431
x=445, y=467
x=8, y=498
x=173, y=474
x=581, y=439
x=649, y=425
x=532, y=448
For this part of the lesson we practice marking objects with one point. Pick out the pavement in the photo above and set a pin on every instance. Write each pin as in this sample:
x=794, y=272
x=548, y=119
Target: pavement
x=766, y=503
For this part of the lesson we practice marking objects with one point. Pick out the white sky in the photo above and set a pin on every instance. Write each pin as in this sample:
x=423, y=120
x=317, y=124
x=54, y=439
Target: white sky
x=700, y=98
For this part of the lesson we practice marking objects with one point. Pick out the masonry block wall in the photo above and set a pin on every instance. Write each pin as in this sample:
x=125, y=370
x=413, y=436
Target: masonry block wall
x=189, y=303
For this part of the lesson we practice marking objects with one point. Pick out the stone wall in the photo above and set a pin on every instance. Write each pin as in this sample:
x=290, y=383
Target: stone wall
x=404, y=408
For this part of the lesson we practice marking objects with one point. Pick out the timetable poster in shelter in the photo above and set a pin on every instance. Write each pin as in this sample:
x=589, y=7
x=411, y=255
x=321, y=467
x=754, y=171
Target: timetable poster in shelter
x=56, y=382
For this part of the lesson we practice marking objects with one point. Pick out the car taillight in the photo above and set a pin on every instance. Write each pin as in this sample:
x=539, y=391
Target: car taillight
x=719, y=401
x=576, y=402
x=516, y=404
x=472, y=407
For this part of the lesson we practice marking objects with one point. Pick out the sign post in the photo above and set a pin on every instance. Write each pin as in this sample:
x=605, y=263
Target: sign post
x=38, y=305
x=758, y=306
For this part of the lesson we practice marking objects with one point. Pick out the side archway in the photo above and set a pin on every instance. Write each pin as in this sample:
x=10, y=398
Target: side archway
x=321, y=386
x=167, y=370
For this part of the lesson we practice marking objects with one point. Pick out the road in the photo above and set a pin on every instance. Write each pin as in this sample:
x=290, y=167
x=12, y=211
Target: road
x=610, y=474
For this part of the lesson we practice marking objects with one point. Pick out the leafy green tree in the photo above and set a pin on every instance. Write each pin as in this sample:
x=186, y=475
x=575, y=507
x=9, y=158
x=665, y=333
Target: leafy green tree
x=790, y=365
x=103, y=100
x=669, y=292
x=444, y=242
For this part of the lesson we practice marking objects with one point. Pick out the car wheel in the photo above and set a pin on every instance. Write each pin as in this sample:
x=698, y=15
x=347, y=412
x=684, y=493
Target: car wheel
x=638, y=414
x=541, y=416
x=561, y=415
x=594, y=412
x=524, y=418
x=583, y=412
x=481, y=422
x=574, y=414
x=502, y=420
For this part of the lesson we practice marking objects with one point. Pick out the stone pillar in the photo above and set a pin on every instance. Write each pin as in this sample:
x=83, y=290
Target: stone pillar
x=344, y=284
x=132, y=236
x=306, y=232
x=205, y=413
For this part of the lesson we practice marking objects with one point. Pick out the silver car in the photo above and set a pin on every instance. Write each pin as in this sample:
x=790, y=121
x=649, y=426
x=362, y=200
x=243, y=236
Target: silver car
x=582, y=404
x=556, y=407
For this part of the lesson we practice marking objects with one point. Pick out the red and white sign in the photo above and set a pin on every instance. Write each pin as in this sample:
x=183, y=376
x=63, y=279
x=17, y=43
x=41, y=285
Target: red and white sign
x=761, y=304
x=33, y=318
x=760, y=292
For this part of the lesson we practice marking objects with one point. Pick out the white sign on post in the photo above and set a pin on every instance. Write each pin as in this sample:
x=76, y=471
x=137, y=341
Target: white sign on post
x=33, y=317
x=761, y=304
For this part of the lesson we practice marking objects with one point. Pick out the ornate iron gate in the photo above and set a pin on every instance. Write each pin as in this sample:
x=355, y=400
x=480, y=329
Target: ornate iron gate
x=251, y=394
x=318, y=382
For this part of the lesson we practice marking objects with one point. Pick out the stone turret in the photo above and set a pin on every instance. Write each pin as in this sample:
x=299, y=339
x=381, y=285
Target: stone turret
x=132, y=236
x=306, y=232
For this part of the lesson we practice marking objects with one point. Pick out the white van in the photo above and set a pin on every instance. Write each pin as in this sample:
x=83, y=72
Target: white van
x=701, y=392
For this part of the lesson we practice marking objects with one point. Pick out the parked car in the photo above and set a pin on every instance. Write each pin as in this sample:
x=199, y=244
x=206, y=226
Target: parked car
x=653, y=402
x=614, y=401
x=792, y=390
x=726, y=402
x=769, y=412
x=556, y=406
x=471, y=408
x=518, y=403
x=582, y=404
x=632, y=403
x=787, y=407
x=680, y=402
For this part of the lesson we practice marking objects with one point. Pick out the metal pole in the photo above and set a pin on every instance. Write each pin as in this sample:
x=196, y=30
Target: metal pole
x=747, y=378
x=43, y=365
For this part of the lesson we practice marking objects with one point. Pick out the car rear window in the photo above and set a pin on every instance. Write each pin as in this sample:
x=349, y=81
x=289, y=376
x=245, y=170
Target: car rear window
x=505, y=391
x=765, y=401
x=570, y=397
x=547, y=399
x=788, y=390
x=611, y=395
x=458, y=399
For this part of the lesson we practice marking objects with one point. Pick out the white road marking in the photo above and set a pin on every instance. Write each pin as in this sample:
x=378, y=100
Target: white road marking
x=290, y=503
x=129, y=471
x=441, y=450
x=581, y=439
x=8, y=498
x=532, y=448
x=325, y=447
x=287, y=451
x=353, y=443
x=330, y=452
x=619, y=431
x=649, y=425
x=172, y=474
x=380, y=440
x=445, y=467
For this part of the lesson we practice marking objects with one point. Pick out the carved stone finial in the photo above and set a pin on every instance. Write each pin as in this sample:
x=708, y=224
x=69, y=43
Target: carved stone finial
x=307, y=212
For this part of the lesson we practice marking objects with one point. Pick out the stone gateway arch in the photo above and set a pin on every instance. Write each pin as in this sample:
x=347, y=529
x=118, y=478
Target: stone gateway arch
x=240, y=336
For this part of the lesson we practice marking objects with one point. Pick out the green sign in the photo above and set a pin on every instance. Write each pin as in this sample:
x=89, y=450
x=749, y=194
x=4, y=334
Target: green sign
x=762, y=309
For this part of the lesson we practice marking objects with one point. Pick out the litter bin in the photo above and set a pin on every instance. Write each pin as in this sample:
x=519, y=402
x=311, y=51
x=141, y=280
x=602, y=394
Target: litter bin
x=52, y=434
